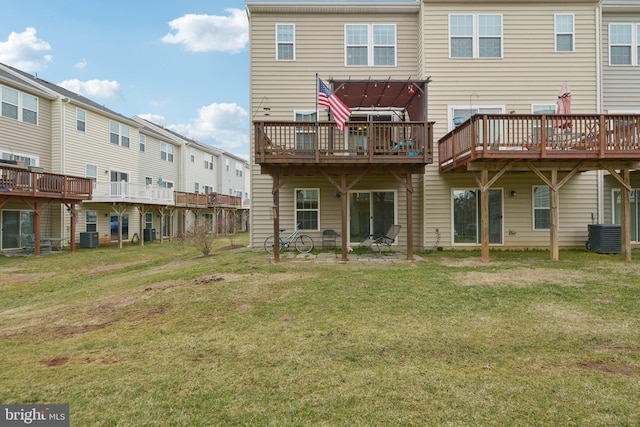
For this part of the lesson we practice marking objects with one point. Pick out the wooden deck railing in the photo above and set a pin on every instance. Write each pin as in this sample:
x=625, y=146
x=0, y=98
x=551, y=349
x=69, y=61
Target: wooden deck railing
x=360, y=142
x=202, y=201
x=19, y=180
x=531, y=136
x=216, y=199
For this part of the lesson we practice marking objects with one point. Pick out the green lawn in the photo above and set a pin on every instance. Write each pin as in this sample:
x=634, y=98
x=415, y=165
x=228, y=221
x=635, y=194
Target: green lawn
x=161, y=336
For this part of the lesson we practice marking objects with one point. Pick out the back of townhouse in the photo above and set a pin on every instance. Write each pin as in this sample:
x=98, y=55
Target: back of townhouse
x=136, y=167
x=482, y=58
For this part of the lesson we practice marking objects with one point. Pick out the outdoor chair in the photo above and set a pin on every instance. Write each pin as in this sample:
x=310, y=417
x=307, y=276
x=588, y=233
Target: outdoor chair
x=329, y=238
x=382, y=240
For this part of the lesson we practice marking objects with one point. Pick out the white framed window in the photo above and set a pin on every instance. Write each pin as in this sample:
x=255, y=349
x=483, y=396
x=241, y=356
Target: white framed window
x=91, y=221
x=91, y=171
x=226, y=164
x=624, y=44
x=475, y=36
x=564, y=32
x=285, y=42
x=166, y=152
x=148, y=220
x=634, y=202
x=208, y=161
x=239, y=169
x=19, y=105
x=168, y=184
x=543, y=108
x=142, y=139
x=307, y=208
x=370, y=45
x=459, y=113
x=81, y=120
x=193, y=155
x=196, y=187
x=148, y=181
x=541, y=207
x=208, y=189
x=305, y=135
x=19, y=157
x=119, y=134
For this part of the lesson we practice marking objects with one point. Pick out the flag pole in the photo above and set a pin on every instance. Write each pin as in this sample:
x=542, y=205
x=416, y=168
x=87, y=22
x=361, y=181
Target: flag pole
x=316, y=92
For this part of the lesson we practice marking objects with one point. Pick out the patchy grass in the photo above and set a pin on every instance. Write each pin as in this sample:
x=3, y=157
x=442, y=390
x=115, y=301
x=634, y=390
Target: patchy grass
x=158, y=335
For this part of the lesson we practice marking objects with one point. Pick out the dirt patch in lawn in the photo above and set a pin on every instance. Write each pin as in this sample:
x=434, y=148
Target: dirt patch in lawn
x=609, y=367
x=101, y=269
x=520, y=277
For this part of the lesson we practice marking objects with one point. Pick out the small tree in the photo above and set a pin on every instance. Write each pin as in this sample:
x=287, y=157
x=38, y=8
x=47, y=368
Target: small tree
x=201, y=236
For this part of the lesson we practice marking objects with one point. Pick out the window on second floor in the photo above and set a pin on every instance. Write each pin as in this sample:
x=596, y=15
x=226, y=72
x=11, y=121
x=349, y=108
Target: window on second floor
x=208, y=161
x=372, y=45
x=91, y=171
x=119, y=134
x=226, y=164
x=285, y=42
x=239, y=168
x=81, y=119
x=193, y=155
x=166, y=152
x=26, y=159
x=19, y=106
x=143, y=143
x=564, y=33
x=208, y=189
x=475, y=36
x=196, y=187
x=624, y=44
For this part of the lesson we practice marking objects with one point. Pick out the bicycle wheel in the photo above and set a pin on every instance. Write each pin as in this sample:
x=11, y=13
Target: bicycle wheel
x=304, y=244
x=268, y=244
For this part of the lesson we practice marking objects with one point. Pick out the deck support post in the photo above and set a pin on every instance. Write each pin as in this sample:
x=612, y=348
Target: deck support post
x=625, y=218
x=554, y=217
x=275, y=212
x=484, y=213
x=409, y=192
x=343, y=208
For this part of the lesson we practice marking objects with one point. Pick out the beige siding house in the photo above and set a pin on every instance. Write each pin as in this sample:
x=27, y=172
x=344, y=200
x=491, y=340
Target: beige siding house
x=504, y=174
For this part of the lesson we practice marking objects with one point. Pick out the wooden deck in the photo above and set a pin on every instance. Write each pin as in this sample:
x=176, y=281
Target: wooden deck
x=203, y=201
x=361, y=143
x=611, y=137
x=20, y=181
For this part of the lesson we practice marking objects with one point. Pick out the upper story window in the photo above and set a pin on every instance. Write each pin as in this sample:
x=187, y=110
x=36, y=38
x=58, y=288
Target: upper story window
x=475, y=36
x=285, y=42
x=81, y=119
x=193, y=155
x=208, y=189
x=148, y=181
x=196, y=187
x=166, y=152
x=119, y=134
x=143, y=143
x=372, y=45
x=19, y=106
x=239, y=168
x=208, y=161
x=91, y=171
x=24, y=158
x=226, y=164
x=564, y=33
x=624, y=44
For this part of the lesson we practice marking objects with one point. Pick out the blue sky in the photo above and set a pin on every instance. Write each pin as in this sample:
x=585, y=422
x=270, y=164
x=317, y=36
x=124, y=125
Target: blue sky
x=179, y=63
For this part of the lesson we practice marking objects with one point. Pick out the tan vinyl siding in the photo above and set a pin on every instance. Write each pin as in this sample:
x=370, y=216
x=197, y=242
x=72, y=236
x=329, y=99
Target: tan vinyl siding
x=28, y=139
x=621, y=83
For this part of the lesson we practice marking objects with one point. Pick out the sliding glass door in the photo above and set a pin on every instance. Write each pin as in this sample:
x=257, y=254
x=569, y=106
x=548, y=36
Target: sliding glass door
x=467, y=220
x=370, y=212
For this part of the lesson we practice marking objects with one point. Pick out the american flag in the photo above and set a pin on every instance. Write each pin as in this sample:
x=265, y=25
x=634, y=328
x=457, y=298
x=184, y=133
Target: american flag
x=326, y=98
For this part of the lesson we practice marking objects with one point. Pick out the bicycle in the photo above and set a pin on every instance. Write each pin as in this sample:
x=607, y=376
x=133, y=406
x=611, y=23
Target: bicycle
x=302, y=242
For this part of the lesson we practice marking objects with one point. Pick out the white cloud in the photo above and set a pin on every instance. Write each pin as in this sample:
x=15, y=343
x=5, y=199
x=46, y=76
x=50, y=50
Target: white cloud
x=93, y=88
x=82, y=64
x=153, y=118
x=209, y=33
x=221, y=125
x=25, y=51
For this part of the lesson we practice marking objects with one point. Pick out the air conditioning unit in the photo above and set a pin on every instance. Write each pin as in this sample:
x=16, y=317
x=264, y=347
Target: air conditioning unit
x=605, y=238
x=89, y=239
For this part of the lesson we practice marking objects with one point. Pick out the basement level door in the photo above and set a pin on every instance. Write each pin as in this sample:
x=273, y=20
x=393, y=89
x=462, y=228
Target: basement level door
x=370, y=212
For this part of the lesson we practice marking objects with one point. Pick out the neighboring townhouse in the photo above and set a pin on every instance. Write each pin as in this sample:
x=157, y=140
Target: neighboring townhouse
x=621, y=95
x=141, y=185
x=37, y=195
x=504, y=171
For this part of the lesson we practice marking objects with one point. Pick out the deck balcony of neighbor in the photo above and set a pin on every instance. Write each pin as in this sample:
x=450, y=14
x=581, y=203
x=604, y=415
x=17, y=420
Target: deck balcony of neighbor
x=596, y=139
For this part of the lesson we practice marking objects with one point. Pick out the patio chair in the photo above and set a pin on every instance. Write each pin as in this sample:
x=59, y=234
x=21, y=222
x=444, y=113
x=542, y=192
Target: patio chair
x=329, y=238
x=382, y=240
